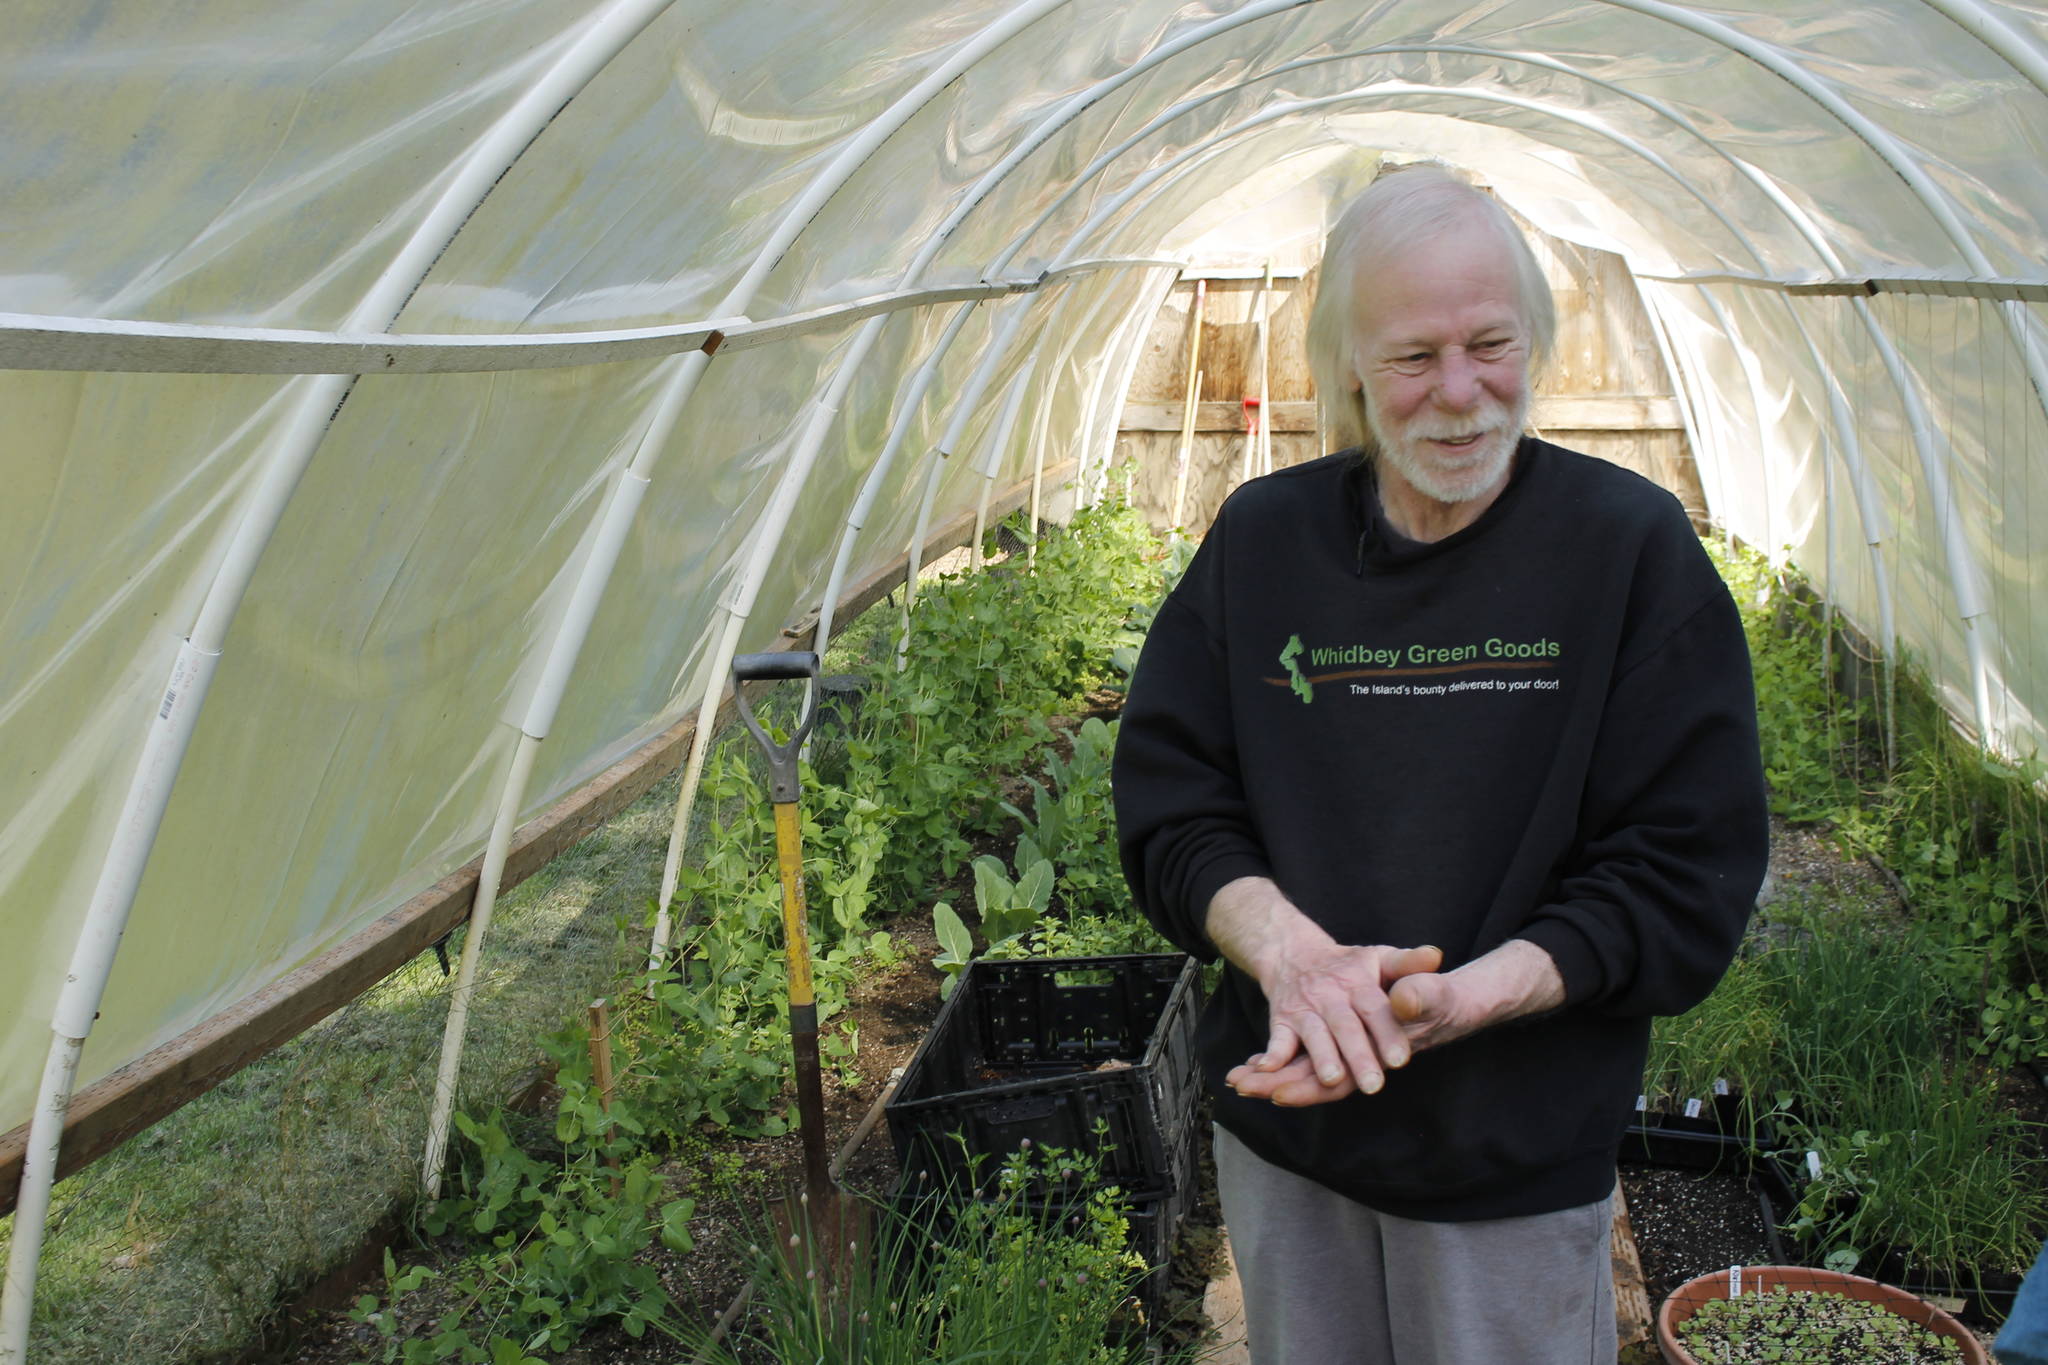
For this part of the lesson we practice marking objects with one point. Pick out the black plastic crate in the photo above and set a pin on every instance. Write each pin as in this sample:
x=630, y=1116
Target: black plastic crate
x=1152, y=1224
x=1089, y=1055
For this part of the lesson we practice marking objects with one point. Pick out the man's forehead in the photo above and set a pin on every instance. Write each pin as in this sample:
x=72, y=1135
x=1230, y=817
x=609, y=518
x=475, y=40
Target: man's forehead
x=1463, y=277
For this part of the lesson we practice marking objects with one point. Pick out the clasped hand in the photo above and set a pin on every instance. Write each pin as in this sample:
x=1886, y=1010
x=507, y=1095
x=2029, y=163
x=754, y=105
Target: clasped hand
x=1342, y=1016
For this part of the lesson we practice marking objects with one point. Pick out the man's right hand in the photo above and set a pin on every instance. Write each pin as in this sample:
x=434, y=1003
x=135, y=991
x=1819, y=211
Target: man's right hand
x=1331, y=1009
x=1327, y=1001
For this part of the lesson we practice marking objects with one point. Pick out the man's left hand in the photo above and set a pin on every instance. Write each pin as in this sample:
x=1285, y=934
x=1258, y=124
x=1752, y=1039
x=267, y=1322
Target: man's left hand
x=1434, y=1008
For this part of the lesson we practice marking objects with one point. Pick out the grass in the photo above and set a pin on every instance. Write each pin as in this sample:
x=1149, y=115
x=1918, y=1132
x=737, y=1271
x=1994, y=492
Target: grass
x=182, y=1243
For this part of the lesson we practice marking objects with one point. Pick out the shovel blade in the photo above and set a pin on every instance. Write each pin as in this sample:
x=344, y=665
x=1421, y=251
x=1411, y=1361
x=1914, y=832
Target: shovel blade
x=822, y=1238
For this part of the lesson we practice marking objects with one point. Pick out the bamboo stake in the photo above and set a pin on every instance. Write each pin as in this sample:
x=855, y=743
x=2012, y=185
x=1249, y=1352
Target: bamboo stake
x=1248, y=461
x=1187, y=444
x=1263, y=305
x=1194, y=397
x=601, y=1071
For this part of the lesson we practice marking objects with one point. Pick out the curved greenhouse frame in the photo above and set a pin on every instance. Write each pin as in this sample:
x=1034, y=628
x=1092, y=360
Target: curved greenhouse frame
x=414, y=407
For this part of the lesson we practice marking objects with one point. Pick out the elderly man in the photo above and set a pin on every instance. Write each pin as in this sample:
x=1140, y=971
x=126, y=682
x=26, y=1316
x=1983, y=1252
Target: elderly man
x=1447, y=745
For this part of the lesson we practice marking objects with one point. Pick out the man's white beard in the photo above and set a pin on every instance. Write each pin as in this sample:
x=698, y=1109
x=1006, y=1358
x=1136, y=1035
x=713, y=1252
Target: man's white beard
x=1459, y=478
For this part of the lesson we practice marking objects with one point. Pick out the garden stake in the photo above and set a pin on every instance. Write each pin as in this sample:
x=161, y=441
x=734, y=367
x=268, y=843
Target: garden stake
x=821, y=1230
x=1190, y=407
x=601, y=1072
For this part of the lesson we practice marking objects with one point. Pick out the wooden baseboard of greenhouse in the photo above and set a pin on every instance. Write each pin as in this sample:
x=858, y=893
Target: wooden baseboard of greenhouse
x=1632, y=1312
x=121, y=1105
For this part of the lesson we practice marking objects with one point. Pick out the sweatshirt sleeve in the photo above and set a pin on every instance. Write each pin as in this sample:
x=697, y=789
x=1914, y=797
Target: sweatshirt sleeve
x=1674, y=829
x=1184, y=829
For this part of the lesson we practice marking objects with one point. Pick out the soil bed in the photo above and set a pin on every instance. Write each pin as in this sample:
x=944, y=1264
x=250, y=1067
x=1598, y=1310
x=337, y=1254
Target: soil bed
x=1686, y=1223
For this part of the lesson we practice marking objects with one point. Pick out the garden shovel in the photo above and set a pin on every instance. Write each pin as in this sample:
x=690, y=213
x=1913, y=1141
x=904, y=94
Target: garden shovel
x=821, y=1229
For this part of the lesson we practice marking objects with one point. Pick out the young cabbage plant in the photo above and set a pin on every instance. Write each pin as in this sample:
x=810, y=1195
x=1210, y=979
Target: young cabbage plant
x=1009, y=910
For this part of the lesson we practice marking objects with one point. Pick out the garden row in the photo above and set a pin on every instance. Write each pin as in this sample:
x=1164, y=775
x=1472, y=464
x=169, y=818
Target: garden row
x=1866, y=1045
x=544, y=1242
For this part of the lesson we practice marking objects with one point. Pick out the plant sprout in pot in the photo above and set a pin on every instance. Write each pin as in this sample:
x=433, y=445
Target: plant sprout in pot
x=1793, y=1314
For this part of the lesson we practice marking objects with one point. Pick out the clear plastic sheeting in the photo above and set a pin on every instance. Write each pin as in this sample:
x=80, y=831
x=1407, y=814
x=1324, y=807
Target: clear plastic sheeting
x=265, y=167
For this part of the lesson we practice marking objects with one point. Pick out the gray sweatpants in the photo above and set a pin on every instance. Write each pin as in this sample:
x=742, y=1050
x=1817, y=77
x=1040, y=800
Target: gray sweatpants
x=1327, y=1281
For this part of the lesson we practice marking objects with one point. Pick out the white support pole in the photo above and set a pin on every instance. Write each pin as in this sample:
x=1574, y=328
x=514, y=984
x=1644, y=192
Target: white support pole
x=964, y=409
x=992, y=454
x=1963, y=574
x=1041, y=426
x=489, y=878
x=169, y=737
x=1753, y=380
x=936, y=461
x=595, y=576
x=899, y=429
x=1688, y=417
x=1113, y=377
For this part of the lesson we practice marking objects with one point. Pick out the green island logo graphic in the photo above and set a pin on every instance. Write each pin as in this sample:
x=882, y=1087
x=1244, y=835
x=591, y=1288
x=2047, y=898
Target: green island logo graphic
x=1303, y=688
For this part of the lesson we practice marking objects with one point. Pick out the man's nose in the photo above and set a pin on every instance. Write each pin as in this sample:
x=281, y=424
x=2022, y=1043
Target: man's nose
x=1457, y=380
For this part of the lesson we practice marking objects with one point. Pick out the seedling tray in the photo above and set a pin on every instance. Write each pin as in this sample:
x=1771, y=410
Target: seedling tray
x=1094, y=1056
x=1672, y=1147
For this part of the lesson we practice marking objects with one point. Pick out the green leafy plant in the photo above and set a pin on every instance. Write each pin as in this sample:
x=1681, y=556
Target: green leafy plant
x=1008, y=911
x=1729, y=1039
x=1072, y=822
x=985, y=1280
x=555, y=1251
x=1813, y=1328
x=1964, y=832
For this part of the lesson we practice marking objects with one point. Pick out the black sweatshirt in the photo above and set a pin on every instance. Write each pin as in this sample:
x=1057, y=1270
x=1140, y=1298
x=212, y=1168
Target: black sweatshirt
x=1541, y=727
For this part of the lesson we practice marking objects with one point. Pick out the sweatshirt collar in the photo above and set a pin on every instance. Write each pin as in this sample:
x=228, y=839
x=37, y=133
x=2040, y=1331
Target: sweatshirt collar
x=1381, y=546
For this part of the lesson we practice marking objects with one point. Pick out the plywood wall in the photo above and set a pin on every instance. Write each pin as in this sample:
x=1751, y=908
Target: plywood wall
x=1228, y=363
x=1605, y=392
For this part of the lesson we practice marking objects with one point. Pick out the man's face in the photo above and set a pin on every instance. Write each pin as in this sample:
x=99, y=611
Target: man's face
x=1443, y=357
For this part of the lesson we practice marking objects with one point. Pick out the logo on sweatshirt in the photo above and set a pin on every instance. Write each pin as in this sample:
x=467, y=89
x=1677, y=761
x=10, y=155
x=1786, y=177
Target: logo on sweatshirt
x=1303, y=688
x=1386, y=669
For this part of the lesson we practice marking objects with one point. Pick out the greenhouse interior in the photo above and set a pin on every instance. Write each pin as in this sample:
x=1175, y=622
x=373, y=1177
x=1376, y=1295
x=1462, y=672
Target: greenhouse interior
x=574, y=569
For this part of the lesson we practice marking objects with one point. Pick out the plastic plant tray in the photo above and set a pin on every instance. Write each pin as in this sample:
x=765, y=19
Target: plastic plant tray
x=1094, y=1056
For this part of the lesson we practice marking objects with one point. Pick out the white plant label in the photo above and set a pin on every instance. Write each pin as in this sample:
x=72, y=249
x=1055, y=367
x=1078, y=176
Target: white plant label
x=1692, y=1108
x=1734, y=1281
x=1720, y=1086
x=1641, y=1102
x=1813, y=1163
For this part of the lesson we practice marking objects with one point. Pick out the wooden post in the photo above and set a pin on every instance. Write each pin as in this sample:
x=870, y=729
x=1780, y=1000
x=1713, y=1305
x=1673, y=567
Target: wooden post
x=601, y=1070
x=1631, y=1300
x=1264, y=305
x=1194, y=397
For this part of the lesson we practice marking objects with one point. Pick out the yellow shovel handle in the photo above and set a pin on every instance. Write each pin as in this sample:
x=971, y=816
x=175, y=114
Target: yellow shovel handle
x=796, y=933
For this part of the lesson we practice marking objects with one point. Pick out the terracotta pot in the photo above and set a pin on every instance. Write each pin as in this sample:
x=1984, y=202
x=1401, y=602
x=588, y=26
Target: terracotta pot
x=1685, y=1300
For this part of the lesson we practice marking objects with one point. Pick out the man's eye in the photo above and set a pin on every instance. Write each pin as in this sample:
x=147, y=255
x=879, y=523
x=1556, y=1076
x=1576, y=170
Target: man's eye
x=1493, y=347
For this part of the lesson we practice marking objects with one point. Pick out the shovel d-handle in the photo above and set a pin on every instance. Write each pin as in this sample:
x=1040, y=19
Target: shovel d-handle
x=783, y=782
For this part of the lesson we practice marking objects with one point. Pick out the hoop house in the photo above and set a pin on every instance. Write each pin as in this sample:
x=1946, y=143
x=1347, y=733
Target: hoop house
x=413, y=406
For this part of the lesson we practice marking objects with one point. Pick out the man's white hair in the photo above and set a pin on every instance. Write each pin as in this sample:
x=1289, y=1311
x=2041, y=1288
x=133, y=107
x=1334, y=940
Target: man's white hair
x=1403, y=207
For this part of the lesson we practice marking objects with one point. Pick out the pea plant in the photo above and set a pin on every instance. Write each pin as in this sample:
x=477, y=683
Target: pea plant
x=554, y=1237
